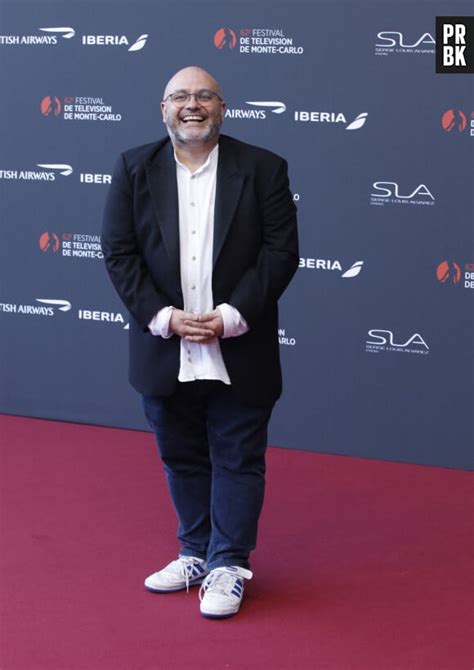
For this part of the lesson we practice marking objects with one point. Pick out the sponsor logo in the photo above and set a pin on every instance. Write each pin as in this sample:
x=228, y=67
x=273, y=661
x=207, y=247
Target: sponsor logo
x=72, y=245
x=225, y=38
x=46, y=307
x=49, y=37
x=381, y=341
x=285, y=339
x=51, y=106
x=102, y=317
x=49, y=242
x=80, y=108
x=455, y=120
x=454, y=42
x=272, y=41
x=66, y=33
x=332, y=117
x=61, y=305
x=325, y=264
x=114, y=41
x=449, y=272
x=51, y=172
x=390, y=193
x=395, y=42
x=256, y=113
x=51, y=306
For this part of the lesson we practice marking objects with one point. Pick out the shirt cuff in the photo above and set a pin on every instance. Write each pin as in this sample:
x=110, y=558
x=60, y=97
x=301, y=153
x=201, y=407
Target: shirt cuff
x=234, y=322
x=160, y=323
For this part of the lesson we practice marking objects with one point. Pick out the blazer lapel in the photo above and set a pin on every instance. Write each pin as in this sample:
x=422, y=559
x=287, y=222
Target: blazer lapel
x=229, y=184
x=161, y=177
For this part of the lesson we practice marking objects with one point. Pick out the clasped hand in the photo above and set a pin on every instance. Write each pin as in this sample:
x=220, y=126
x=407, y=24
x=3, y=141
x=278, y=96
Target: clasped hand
x=200, y=328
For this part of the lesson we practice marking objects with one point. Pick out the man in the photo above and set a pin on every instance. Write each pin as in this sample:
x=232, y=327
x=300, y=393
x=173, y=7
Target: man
x=200, y=241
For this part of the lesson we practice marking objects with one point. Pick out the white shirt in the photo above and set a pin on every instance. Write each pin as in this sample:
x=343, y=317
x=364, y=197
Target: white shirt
x=196, y=198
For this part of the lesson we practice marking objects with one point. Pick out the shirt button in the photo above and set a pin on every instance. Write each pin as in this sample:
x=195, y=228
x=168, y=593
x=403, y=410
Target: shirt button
x=193, y=287
x=194, y=258
x=193, y=204
x=194, y=232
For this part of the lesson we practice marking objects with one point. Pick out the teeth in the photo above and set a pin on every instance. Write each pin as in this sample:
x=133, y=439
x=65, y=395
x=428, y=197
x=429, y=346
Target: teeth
x=192, y=118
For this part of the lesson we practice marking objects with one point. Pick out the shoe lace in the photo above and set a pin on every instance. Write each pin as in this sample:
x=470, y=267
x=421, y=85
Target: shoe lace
x=220, y=581
x=185, y=566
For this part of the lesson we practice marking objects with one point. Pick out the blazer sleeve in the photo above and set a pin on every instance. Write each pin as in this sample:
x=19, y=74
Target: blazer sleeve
x=123, y=259
x=262, y=284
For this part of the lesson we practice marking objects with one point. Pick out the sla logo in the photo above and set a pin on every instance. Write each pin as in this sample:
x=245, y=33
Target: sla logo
x=389, y=42
x=332, y=117
x=384, y=340
x=49, y=242
x=114, y=40
x=448, y=271
x=322, y=264
x=225, y=37
x=51, y=106
x=274, y=106
x=388, y=192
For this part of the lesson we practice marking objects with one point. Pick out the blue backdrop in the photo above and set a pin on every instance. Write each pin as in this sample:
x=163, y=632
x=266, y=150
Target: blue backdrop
x=376, y=329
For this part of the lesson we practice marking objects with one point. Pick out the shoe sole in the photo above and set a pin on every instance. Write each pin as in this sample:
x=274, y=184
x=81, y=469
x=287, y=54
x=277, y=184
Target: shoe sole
x=207, y=615
x=180, y=588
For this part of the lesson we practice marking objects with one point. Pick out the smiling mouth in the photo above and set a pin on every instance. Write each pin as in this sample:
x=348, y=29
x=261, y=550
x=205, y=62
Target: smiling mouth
x=192, y=118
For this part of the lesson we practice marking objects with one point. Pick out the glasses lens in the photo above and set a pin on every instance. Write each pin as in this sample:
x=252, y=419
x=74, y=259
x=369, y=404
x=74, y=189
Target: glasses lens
x=179, y=98
x=205, y=96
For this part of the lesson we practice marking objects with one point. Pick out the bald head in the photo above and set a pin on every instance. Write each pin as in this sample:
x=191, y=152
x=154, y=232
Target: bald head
x=191, y=121
x=192, y=78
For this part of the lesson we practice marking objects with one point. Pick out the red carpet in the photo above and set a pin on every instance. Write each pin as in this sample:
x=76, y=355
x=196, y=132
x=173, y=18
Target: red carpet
x=362, y=565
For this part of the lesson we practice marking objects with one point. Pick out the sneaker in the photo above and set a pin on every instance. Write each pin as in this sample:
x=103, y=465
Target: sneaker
x=222, y=591
x=178, y=575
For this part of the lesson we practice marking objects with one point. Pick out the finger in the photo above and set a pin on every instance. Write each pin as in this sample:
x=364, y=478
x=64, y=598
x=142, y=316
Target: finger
x=207, y=316
x=200, y=339
x=196, y=325
x=189, y=331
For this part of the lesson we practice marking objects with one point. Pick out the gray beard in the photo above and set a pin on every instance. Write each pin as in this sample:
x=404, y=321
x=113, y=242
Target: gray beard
x=177, y=136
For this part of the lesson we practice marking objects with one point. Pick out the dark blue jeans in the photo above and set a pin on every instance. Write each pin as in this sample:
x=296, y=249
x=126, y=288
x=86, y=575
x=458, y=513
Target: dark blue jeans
x=213, y=450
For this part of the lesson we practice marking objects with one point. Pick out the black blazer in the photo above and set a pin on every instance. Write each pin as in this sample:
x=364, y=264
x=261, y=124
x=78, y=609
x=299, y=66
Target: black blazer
x=255, y=255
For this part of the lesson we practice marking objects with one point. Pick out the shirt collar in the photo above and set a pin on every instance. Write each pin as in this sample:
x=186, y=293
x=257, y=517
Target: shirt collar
x=211, y=161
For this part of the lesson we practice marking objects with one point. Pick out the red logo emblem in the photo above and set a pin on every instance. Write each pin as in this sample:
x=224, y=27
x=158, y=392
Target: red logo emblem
x=454, y=118
x=49, y=242
x=225, y=37
x=51, y=106
x=448, y=271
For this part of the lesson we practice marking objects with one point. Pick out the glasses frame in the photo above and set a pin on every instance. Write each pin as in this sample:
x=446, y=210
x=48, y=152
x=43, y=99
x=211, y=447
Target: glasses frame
x=214, y=95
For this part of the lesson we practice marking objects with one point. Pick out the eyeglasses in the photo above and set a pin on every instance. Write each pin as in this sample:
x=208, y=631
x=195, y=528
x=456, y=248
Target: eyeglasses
x=181, y=98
